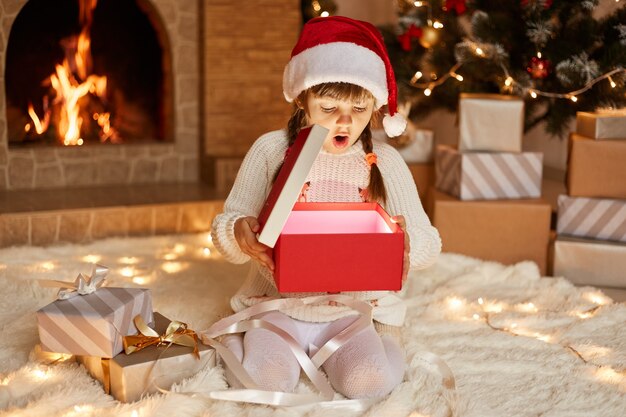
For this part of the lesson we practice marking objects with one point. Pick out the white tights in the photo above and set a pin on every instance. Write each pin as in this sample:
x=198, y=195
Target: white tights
x=368, y=365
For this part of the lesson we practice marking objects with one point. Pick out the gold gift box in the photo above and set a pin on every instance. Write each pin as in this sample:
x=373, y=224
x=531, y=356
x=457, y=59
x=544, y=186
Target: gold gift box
x=602, y=125
x=130, y=376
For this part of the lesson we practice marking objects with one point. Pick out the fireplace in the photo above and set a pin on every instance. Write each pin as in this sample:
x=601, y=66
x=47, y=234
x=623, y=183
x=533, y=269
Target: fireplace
x=98, y=92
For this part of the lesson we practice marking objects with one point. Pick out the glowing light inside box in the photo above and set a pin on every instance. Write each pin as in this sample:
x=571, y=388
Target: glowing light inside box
x=92, y=258
x=335, y=222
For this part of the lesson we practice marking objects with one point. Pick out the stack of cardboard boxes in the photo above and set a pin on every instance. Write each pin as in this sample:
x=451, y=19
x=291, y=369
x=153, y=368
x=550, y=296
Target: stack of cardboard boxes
x=487, y=198
x=590, y=248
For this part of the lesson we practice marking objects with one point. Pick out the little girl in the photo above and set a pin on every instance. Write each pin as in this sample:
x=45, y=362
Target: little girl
x=339, y=75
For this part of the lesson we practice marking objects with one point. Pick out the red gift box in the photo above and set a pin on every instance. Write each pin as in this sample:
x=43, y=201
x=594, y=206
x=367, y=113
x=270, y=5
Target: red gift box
x=334, y=247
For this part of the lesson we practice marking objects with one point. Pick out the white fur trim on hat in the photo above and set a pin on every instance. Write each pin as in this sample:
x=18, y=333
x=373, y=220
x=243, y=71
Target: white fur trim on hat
x=394, y=125
x=336, y=62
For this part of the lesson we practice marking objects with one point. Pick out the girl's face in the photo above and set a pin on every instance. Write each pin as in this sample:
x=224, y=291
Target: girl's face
x=344, y=119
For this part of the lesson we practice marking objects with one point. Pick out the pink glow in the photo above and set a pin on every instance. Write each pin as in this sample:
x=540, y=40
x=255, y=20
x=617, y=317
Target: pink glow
x=335, y=221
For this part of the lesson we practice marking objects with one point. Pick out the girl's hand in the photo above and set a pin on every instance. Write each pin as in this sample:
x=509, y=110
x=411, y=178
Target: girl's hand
x=400, y=221
x=246, y=229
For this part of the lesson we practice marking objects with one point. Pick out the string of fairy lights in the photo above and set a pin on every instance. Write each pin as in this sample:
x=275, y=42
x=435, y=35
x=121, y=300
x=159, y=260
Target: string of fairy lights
x=509, y=84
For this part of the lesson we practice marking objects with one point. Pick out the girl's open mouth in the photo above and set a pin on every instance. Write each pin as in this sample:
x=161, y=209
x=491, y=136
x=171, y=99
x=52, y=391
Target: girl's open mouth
x=340, y=141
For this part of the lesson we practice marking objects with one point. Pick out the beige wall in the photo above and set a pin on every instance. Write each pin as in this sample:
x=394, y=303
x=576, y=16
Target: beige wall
x=246, y=46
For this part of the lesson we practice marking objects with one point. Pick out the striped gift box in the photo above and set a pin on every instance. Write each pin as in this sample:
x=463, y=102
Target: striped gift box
x=599, y=218
x=488, y=176
x=93, y=324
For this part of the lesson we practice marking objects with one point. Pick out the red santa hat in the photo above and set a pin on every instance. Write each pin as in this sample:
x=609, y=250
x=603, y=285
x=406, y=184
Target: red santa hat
x=340, y=49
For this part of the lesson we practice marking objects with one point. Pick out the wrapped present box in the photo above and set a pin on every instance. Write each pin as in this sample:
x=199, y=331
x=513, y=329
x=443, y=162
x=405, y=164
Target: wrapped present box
x=128, y=377
x=490, y=122
x=506, y=231
x=602, y=124
x=592, y=218
x=596, y=168
x=319, y=249
x=488, y=176
x=93, y=324
x=590, y=262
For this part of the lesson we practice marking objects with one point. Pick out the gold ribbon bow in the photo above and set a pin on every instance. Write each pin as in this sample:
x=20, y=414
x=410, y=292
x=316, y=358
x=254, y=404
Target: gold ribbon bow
x=82, y=285
x=177, y=333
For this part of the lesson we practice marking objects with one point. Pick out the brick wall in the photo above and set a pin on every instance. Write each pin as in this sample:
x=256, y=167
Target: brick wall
x=246, y=46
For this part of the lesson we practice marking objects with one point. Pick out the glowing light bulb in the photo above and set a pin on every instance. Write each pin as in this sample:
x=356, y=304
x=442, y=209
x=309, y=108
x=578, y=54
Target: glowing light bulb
x=437, y=24
x=538, y=54
x=40, y=375
x=179, y=248
x=48, y=266
x=80, y=141
x=455, y=303
x=479, y=52
x=140, y=280
x=427, y=92
x=613, y=85
x=475, y=316
x=206, y=252
x=513, y=325
x=324, y=14
x=92, y=258
x=508, y=81
x=533, y=94
x=417, y=76
x=480, y=300
x=209, y=238
x=457, y=76
x=127, y=271
x=573, y=98
x=418, y=3
x=135, y=413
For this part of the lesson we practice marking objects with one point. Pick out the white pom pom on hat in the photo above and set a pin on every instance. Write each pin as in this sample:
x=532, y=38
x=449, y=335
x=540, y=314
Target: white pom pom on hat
x=340, y=49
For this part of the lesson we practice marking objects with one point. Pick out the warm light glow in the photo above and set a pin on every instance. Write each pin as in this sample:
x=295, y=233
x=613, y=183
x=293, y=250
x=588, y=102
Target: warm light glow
x=455, y=303
x=316, y=6
x=479, y=52
x=140, y=280
x=135, y=413
x=457, y=76
x=128, y=271
x=573, y=98
x=508, y=81
x=83, y=408
x=40, y=125
x=543, y=337
x=513, y=325
x=40, y=374
x=613, y=85
x=209, y=238
x=526, y=307
x=174, y=267
x=538, y=54
x=437, y=24
x=170, y=256
x=128, y=260
x=493, y=307
x=206, y=252
x=427, y=92
x=324, y=14
x=417, y=76
x=418, y=3
x=480, y=300
x=597, y=298
x=179, y=248
x=476, y=316
x=607, y=374
x=92, y=259
x=584, y=314
x=49, y=266
x=533, y=94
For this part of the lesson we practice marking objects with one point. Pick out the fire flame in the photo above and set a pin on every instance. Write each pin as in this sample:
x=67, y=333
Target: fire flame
x=71, y=81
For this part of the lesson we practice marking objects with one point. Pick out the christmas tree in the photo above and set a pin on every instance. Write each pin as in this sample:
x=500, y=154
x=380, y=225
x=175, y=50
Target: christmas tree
x=553, y=53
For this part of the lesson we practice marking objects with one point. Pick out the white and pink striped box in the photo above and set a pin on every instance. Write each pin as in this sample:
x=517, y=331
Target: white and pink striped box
x=597, y=218
x=488, y=175
x=93, y=324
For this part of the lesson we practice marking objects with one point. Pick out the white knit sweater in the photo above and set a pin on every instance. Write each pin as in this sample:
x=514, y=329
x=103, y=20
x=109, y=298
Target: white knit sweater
x=333, y=178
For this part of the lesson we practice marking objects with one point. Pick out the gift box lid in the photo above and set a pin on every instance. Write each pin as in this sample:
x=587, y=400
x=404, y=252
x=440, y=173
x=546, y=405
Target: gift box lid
x=289, y=181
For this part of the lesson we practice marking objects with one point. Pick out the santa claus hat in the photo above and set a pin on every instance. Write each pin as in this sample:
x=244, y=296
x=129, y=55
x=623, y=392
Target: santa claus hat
x=340, y=49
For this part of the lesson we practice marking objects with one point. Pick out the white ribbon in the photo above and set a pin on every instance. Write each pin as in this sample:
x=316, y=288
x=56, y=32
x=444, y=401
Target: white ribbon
x=82, y=285
x=244, y=321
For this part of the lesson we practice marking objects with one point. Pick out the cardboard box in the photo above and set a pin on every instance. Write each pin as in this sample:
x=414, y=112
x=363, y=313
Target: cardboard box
x=93, y=324
x=596, y=168
x=602, y=125
x=424, y=177
x=289, y=182
x=490, y=122
x=334, y=247
x=505, y=231
x=488, y=176
x=596, y=218
x=128, y=377
x=590, y=262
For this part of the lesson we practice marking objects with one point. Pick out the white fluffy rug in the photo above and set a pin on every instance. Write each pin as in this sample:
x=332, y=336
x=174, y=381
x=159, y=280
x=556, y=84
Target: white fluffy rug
x=518, y=344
